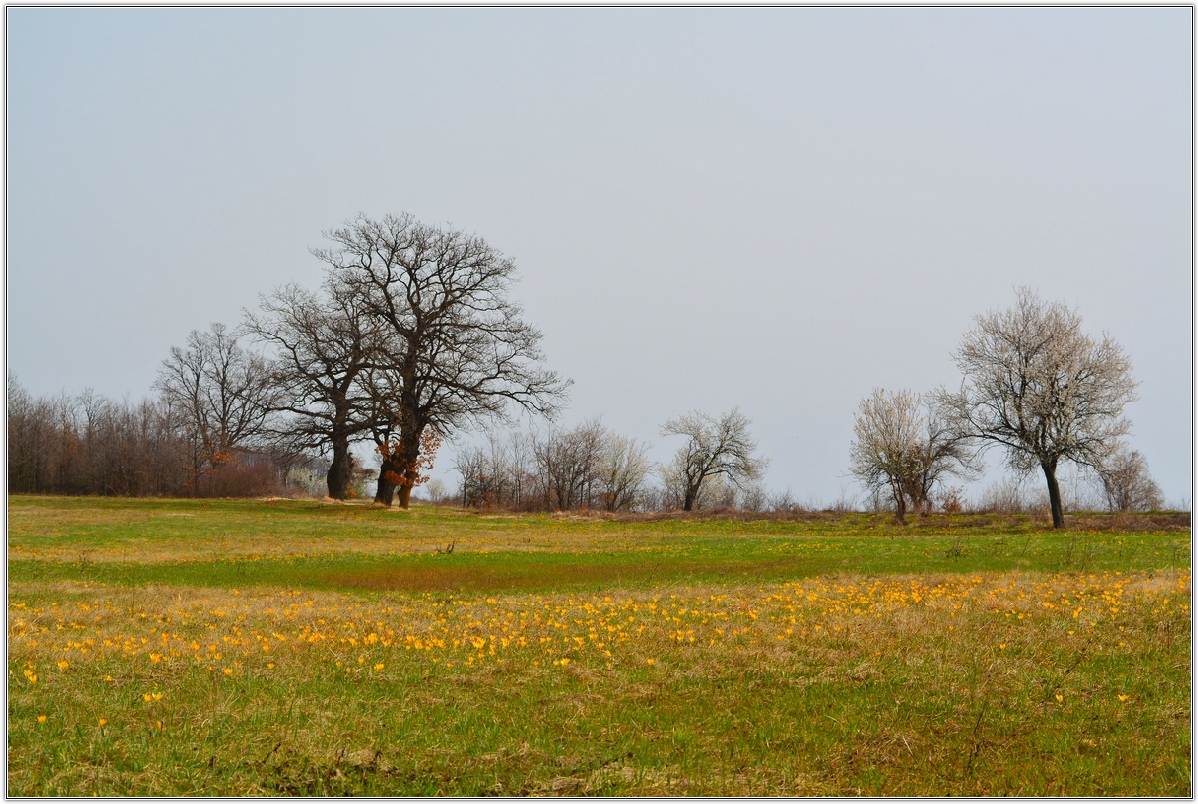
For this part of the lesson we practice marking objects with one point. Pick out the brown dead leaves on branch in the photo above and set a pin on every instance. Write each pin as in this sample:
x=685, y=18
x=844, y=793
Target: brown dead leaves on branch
x=415, y=472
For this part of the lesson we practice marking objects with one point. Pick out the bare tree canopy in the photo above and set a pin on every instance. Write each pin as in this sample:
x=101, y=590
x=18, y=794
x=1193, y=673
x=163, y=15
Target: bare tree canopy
x=715, y=447
x=221, y=393
x=1127, y=484
x=623, y=467
x=1041, y=389
x=322, y=346
x=569, y=463
x=456, y=347
x=902, y=448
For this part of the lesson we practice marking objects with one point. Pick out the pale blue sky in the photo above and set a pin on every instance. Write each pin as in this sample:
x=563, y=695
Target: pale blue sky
x=772, y=208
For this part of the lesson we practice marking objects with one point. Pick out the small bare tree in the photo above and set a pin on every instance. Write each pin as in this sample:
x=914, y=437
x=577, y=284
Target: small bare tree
x=483, y=476
x=754, y=497
x=1127, y=484
x=222, y=395
x=902, y=450
x=1041, y=389
x=569, y=464
x=715, y=447
x=885, y=452
x=623, y=468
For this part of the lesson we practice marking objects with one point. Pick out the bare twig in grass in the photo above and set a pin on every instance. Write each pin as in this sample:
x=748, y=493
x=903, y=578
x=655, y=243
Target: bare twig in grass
x=977, y=744
x=270, y=753
x=956, y=549
x=1078, y=659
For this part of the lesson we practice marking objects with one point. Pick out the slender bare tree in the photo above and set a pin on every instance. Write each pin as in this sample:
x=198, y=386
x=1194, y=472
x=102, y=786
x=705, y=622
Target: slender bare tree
x=1041, y=389
x=521, y=460
x=456, y=346
x=714, y=447
x=323, y=345
x=482, y=476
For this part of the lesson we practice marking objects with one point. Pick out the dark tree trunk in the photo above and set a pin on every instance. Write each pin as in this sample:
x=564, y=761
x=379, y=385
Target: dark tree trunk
x=1054, y=494
x=385, y=495
x=409, y=453
x=688, y=500
x=900, y=506
x=339, y=472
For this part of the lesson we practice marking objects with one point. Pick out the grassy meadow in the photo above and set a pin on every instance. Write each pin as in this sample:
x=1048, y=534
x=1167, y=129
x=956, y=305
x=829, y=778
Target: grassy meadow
x=221, y=647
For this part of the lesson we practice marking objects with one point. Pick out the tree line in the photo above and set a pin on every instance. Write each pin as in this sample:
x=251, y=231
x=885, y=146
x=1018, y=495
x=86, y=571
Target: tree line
x=590, y=467
x=412, y=336
x=87, y=444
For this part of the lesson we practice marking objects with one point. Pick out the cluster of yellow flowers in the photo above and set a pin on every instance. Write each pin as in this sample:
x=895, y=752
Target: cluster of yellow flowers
x=230, y=632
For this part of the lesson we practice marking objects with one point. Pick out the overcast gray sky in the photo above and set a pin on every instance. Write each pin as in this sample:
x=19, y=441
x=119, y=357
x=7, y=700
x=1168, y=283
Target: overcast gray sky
x=775, y=208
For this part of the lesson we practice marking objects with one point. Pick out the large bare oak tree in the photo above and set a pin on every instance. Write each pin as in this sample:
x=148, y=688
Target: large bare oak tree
x=323, y=345
x=455, y=346
x=1041, y=389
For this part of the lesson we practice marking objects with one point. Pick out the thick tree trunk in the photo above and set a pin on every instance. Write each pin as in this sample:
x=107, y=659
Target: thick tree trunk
x=385, y=495
x=1054, y=494
x=339, y=472
x=401, y=464
x=409, y=452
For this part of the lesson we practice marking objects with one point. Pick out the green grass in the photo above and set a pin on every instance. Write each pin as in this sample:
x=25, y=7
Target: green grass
x=304, y=648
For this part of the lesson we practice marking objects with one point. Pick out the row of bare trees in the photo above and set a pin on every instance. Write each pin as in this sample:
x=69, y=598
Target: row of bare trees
x=1034, y=386
x=86, y=444
x=586, y=467
x=592, y=468
x=413, y=336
